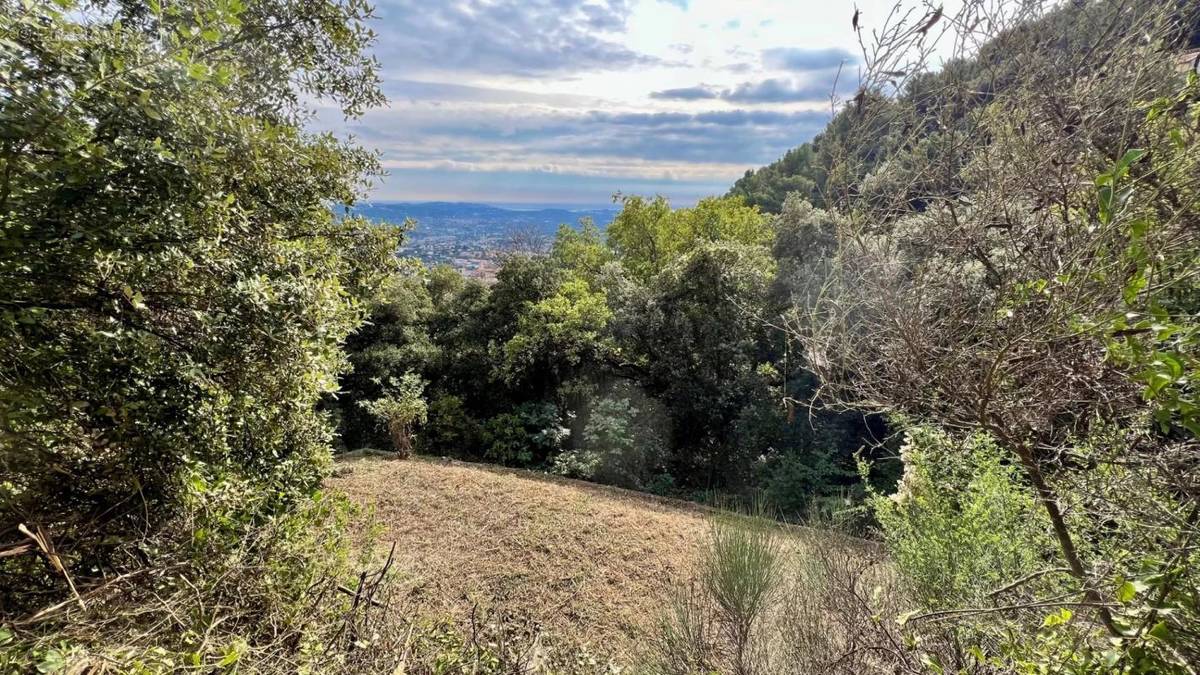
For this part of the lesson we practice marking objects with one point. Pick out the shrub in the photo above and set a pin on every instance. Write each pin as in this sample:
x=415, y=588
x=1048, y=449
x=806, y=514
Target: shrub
x=741, y=573
x=528, y=436
x=793, y=480
x=243, y=595
x=175, y=288
x=961, y=523
x=621, y=443
x=450, y=430
x=775, y=600
x=686, y=637
x=715, y=626
x=392, y=341
x=400, y=410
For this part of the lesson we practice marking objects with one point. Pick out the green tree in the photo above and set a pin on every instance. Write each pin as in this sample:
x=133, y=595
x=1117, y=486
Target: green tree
x=696, y=341
x=647, y=235
x=768, y=186
x=393, y=341
x=582, y=252
x=462, y=327
x=557, y=335
x=173, y=287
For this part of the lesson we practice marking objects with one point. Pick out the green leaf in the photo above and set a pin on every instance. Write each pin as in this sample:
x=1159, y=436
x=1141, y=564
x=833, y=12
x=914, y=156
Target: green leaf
x=1134, y=287
x=1105, y=196
x=1126, y=592
x=52, y=662
x=1128, y=160
x=1058, y=618
x=1192, y=425
x=1156, y=382
x=232, y=654
x=198, y=71
x=932, y=664
x=1160, y=631
x=977, y=652
x=198, y=484
x=1174, y=365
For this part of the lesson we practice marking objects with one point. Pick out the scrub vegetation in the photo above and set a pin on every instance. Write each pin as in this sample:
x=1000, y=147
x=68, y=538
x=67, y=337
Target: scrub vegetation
x=919, y=397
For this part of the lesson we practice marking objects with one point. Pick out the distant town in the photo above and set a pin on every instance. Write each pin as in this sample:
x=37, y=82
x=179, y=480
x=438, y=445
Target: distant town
x=472, y=237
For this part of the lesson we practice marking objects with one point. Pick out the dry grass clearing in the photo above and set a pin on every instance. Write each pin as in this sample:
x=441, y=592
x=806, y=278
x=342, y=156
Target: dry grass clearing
x=593, y=564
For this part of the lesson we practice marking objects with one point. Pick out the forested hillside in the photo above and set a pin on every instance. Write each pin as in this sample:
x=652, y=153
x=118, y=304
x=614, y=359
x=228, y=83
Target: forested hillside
x=810, y=169
x=919, y=397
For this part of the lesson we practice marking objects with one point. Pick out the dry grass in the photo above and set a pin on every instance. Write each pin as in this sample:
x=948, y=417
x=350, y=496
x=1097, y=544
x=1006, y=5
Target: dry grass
x=594, y=565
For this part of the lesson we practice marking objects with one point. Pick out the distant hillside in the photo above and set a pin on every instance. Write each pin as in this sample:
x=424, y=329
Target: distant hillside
x=431, y=216
x=845, y=147
x=470, y=236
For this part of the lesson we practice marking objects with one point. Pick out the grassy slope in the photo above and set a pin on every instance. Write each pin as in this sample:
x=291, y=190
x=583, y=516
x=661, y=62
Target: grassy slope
x=593, y=564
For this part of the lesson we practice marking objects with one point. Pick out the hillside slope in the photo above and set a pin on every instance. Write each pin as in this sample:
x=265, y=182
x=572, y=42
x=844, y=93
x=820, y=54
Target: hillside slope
x=593, y=565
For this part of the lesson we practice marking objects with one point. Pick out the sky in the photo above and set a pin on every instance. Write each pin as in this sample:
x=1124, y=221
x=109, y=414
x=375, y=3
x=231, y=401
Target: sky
x=569, y=101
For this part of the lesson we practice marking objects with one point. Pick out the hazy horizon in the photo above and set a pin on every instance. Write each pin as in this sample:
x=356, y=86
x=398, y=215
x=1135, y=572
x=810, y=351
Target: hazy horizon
x=509, y=206
x=568, y=101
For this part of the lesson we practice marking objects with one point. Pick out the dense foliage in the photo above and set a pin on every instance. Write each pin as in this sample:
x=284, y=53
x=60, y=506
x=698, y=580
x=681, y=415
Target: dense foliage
x=1015, y=274
x=639, y=357
x=174, y=290
x=998, y=255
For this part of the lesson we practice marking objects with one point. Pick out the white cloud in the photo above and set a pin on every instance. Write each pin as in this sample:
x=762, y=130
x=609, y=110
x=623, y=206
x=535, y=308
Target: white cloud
x=602, y=91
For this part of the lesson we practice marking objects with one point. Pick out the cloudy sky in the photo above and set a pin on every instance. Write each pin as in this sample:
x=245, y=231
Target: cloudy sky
x=569, y=101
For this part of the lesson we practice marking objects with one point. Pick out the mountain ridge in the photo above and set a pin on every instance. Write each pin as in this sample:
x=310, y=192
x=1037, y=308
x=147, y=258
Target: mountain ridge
x=536, y=213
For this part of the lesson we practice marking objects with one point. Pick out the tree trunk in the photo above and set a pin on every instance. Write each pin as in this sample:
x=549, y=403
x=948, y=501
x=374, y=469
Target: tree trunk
x=1066, y=543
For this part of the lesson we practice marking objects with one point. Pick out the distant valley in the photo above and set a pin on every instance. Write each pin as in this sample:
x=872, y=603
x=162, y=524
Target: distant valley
x=471, y=237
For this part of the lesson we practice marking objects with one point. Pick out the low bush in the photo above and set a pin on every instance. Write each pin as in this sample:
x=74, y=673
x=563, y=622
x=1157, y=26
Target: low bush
x=622, y=443
x=718, y=624
x=961, y=523
x=400, y=410
x=741, y=573
x=686, y=640
x=528, y=436
x=450, y=431
x=276, y=596
x=775, y=599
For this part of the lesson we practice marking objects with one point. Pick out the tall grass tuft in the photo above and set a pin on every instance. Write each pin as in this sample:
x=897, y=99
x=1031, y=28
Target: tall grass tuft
x=686, y=639
x=741, y=574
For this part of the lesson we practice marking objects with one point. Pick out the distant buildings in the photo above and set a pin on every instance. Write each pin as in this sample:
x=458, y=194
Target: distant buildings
x=473, y=237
